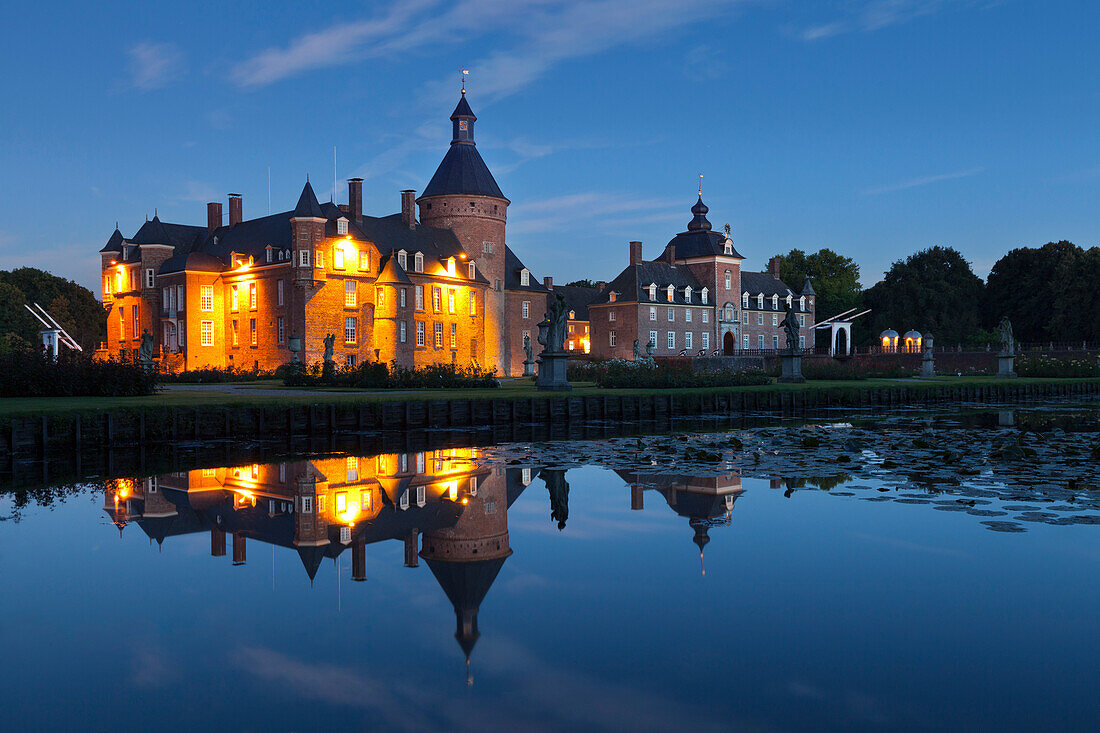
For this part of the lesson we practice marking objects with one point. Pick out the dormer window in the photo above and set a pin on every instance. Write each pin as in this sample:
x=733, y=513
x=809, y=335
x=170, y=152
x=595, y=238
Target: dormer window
x=572, y=315
x=451, y=266
x=418, y=262
x=703, y=295
x=671, y=293
x=687, y=294
x=760, y=301
x=612, y=296
x=744, y=300
x=775, y=302
x=269, y=253
x=802, y=303
x=524, y=277
x=728, y=249
x=789, y=300
x=341, y=226
x=473, y=270
x=402, y=259
x=653, y=292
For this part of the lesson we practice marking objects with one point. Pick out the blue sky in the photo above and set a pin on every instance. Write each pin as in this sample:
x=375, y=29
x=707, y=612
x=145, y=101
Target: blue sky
x=874, y=127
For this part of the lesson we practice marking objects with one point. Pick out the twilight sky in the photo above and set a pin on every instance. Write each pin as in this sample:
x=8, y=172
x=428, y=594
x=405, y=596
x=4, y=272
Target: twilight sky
x=874, y=127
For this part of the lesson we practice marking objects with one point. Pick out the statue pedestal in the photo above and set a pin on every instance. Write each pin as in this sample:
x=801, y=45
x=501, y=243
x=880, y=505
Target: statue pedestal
x=927, y=366
x=1006, y=366
x=328, y=370
x=551, y=377
x=528, y=368
x=790, y=369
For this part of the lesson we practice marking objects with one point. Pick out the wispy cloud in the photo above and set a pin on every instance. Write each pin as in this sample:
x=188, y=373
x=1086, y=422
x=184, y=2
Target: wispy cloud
x=873, y=15
x=198, y=191
x=922, y=181
x=589, y=209
x=154, y=65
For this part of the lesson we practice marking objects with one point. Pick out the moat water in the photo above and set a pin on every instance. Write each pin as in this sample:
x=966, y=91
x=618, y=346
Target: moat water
x=891, y=572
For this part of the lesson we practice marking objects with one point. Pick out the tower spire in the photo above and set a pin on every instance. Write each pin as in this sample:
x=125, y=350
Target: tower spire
x=700, y=185
x=465, y=72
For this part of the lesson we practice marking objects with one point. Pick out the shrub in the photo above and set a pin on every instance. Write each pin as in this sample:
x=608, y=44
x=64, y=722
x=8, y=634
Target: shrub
x=211, y=375
x=1050, y=366
x=30, y=373
x=621, y=373
x=377, y=375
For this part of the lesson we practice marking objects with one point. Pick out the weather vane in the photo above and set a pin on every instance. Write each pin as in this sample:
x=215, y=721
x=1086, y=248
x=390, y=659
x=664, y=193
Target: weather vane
x=700, y=185
x=464, y=73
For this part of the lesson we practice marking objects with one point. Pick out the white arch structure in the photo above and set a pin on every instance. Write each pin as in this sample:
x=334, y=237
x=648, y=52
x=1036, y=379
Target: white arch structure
x=841, y=323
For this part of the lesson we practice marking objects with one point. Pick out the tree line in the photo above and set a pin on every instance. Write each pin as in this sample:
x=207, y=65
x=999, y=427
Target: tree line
x=1049, y=293
x=73, y=306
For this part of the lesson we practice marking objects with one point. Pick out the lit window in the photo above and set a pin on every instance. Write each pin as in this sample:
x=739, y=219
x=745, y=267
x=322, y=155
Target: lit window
x=451, y=266
x=252, y=296
x=653, y=292
x=473, y=304
x=670, y=294
x=612, y=296
x=338, y=257
x=379, y=297
x=420, y=333
x=319, y=258
x=451, y=301
x=364, y=261
x=365, y=501
x=351, y=294
x=342, y=500
x=206, y=333
x=349, y=330
x=439, y=335
x=454, y=336
x=252, y=331
x=233, y=333
x=437, y=300
x=206, y=298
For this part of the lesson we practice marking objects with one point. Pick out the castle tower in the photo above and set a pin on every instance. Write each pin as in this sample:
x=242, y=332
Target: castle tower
x=466, y=558
x=463, y=197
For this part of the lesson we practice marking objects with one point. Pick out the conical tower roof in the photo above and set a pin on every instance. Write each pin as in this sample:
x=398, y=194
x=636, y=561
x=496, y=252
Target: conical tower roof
x=462, y=170
x=308, y=205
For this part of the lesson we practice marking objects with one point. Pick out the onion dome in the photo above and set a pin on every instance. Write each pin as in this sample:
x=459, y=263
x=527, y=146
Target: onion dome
x=699, y=221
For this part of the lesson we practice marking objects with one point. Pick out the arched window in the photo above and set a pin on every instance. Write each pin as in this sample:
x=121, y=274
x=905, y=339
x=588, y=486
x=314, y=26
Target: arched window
x=687, y=294
x=729, y=247
x=775, y=302
x=729, y=279
x=524, y=277
x=671, y=293
x=760, y=301
x=788, y=300
x=744, y=300
x=802, y=303
x=703, y=295
x=653, y=292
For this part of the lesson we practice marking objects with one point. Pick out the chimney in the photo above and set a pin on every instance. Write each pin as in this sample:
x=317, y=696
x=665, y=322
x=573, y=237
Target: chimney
x=355, y=198
x=773, y=266
x=236, y=209
x=213, y=215
x=411, y=539
x=239, y=555
x=408, y=208
x=635, y=253
x=217, y=542
x=359, y=561
x=670, y=254
x=548, y=282
x=600, y=284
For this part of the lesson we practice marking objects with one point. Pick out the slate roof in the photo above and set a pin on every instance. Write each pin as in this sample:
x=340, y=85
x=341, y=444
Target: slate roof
x=699, y=240
x=391, y=271
x=632, y=284
x=512, y=268
x=195, y=261
x=155, y=231
x=577, y=299
x=808, y=288
x=114, y=244
x=307, y=204
x=462, y=171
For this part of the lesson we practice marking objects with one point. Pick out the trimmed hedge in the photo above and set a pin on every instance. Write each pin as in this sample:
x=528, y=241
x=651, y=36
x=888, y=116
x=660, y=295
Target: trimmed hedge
x=1050, y=366
x=28, y=373
x=618, y=373
x=377, y=375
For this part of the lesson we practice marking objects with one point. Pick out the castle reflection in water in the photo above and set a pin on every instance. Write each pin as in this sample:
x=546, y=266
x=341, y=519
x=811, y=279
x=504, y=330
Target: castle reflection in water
x=448, y=507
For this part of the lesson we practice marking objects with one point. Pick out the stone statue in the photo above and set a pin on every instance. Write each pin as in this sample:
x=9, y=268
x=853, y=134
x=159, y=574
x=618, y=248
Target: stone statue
x=637, y=351
x=330, y=341
x=728, y=235
x=559, y=494
x=145, y=352
x=555, y=326
x=1008, y=345
x=527, y=348
x=790, y=326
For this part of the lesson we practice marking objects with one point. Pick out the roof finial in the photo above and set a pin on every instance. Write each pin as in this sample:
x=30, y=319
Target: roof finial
x=700, y=185
x=464, y=73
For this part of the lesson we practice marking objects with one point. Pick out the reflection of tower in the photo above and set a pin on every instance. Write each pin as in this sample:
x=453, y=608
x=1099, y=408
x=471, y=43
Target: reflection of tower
x=466, y=558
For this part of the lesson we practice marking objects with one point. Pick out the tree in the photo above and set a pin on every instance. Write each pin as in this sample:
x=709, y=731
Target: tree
x=1049, y=292
x=581, y=284
x=933, y=291
x=73, y=306
x=835, y=279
